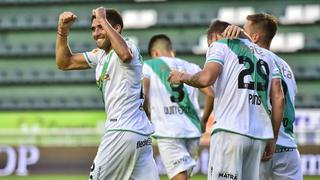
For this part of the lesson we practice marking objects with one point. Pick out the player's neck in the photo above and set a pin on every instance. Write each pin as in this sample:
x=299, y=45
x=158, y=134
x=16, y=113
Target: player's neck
x=108, y=49
x=263, y=45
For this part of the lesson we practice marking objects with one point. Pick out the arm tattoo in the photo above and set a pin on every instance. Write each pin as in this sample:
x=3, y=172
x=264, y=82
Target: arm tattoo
x=194, y=80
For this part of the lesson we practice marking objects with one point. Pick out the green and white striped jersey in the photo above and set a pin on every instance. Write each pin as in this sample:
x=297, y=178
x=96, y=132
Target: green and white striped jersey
x=242, y=89
x=121, y=87
x=286, y=131
x=174, y=110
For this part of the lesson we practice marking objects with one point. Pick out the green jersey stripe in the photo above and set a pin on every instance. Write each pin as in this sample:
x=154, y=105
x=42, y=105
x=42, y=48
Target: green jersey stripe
x=162, y=70
x=289, y=111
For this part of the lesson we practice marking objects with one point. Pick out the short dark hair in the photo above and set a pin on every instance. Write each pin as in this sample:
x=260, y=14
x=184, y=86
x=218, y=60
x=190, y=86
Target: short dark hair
x=217, y=26
x=160, y=38
x=113, y=16
x=266, y=23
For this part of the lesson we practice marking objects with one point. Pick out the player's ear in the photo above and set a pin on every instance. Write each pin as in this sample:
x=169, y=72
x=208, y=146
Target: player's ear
x=117, y=27
x=173, y=53
x=255, y=37
x=154, y=53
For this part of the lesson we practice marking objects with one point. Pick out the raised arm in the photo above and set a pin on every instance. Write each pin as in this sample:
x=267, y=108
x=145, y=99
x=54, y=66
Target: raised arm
x=113, y=33
x=234, y=32
x=208, y=105
x=201, y=79
x=65, y=59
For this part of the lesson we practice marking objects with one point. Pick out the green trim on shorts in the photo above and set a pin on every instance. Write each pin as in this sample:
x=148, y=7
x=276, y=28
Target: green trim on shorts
x=163, y=137
x=111, y=130
x=251, y=137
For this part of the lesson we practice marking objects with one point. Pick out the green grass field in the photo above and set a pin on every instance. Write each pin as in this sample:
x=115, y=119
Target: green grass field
x=78, y=177
x=51, y=119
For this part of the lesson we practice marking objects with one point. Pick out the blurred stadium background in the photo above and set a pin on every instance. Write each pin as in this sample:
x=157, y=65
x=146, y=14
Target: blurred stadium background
x=51, y=121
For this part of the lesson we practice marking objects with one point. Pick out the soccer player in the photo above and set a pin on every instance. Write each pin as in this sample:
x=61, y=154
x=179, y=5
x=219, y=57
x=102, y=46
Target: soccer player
x=125, y=151
x=244, y=78
x=174, y=109
x=285, y=163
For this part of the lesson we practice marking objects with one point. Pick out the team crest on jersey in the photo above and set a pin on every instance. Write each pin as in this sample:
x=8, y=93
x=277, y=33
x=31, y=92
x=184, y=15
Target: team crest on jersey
x=94, y=51
x=99, y=82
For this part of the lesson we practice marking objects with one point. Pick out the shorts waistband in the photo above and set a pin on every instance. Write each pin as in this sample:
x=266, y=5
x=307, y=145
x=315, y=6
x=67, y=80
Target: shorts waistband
x=284, y=149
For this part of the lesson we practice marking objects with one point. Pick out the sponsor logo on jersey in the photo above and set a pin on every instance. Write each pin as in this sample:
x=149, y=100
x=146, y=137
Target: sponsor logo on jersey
x=225, y=175
x=145, y=142
x=113, y=120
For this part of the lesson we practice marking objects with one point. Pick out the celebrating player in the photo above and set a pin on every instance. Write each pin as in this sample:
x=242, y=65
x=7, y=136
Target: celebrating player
x=125, y=151
x=174, y=109
x=244, y=78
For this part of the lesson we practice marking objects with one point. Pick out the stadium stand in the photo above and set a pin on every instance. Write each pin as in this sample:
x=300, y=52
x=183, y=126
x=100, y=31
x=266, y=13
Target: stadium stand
x=28, y=41
x=30, y=82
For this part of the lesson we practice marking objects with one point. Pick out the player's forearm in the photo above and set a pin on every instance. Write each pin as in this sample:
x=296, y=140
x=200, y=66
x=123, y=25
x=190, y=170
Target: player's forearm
x=117, y=42
x=208, y=106
x=198, y=80
x=63, y=52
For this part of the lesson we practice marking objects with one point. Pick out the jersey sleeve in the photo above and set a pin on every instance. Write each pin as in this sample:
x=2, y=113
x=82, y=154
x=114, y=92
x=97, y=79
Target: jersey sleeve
x=146, y=71
x=136, y=57
x=92, y=57
x=216, y=53
x=275, y=70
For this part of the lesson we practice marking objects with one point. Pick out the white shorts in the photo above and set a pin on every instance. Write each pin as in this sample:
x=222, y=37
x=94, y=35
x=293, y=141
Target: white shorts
x=234, y=156
x=124, y=155
x=178, y=154
x=284, y=165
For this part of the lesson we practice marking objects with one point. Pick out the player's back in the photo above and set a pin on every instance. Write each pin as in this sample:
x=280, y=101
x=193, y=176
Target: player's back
x=174, y=110
x=286, y=131
x=242, y=88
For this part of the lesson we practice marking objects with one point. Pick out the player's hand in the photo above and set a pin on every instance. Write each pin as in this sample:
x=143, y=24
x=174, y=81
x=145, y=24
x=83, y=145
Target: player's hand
x=269, y=150
x=175, y=77
x=66, y=19
x=99, y=13
x=232, y=32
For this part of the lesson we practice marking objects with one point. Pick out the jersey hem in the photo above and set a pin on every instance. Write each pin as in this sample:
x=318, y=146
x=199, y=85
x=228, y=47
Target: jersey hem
x=229, y=131
x=167, y=137
x=137, y=132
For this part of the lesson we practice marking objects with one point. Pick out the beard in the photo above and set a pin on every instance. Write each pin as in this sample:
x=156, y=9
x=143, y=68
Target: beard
x=102, y=43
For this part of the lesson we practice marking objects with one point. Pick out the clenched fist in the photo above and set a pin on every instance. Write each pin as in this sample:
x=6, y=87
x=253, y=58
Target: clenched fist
x=66, y=19
x=99, y=13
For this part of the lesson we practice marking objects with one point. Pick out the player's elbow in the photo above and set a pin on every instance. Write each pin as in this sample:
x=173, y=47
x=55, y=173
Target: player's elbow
x=61, y=66
x=126, y=57
x=206, y=81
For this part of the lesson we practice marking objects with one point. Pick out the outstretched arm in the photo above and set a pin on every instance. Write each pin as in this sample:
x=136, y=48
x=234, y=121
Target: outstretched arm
x=201, y=79
x=65, y=59
x=208, y=106
x=113, y=33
